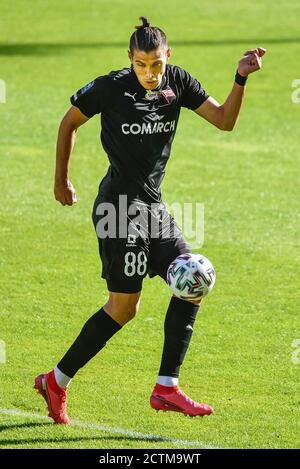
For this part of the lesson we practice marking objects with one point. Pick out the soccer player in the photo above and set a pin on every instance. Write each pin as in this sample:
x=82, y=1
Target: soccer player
x=139, y=108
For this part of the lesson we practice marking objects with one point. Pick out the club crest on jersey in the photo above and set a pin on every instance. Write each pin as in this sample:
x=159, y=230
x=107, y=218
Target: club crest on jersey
x=168, y=94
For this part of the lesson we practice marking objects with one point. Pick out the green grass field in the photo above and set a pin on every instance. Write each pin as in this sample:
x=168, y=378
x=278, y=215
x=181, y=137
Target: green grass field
x=240, y=359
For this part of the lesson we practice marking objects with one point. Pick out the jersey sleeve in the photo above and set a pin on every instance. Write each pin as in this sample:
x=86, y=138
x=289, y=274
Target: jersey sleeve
x=94, y=97
x=193, y=93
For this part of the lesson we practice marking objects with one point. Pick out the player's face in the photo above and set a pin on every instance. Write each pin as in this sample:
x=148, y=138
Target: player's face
x=150, y=67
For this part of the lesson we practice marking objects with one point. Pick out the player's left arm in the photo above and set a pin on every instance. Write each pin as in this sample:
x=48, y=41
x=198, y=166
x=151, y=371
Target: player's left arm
x=224, y=116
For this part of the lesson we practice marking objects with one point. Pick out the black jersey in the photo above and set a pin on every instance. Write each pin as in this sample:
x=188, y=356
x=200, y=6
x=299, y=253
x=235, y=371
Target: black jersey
x=138, y=126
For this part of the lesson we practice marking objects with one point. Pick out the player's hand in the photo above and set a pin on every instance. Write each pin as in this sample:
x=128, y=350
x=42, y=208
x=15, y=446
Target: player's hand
x=65, y=193
x=251, y=62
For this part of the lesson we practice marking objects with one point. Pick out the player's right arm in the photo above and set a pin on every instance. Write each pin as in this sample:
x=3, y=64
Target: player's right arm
x=63, y=189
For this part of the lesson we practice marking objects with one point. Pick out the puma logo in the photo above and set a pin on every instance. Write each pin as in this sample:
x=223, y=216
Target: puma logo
x=130, y=95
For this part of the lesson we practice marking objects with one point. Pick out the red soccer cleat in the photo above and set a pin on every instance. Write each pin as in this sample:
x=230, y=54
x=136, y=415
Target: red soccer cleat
x=55, y=397
x=172, y=398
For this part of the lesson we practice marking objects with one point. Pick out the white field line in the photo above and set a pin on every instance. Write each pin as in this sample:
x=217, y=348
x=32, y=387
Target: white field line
x=113, y=430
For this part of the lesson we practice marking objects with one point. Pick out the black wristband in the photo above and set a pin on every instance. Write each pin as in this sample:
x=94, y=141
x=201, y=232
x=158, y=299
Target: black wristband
x=239, y=79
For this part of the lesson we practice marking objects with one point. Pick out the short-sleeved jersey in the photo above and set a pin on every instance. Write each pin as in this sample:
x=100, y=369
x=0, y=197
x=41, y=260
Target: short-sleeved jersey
x=138, y=126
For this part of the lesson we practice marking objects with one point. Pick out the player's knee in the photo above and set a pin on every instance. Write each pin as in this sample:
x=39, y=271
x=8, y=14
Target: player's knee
x=123, y=307
x=132, y=311
x=125, y=313
x=197, y=303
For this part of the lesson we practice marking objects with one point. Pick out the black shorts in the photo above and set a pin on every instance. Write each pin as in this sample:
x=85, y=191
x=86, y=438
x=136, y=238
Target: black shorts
x=135, y=239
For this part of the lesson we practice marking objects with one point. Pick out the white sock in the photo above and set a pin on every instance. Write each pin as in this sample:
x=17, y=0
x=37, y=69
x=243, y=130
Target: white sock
x=167, y=381
x=61, y=379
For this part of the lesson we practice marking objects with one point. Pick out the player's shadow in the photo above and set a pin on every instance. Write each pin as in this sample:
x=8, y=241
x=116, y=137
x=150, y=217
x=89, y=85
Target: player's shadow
x=19, y=426
x=37, y=49
x=20, y=441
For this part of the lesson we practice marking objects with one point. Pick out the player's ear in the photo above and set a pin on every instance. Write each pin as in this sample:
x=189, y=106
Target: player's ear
x=130, y=56
x=168, y=53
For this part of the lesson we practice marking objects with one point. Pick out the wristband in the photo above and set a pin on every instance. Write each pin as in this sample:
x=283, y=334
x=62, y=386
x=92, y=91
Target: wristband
x=239, y=79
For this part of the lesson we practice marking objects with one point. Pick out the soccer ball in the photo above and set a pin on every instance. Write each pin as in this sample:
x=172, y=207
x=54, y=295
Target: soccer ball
x=191, y=276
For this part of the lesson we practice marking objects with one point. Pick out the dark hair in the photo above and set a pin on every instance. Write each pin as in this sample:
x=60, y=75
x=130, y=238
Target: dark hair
x=146, y=37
